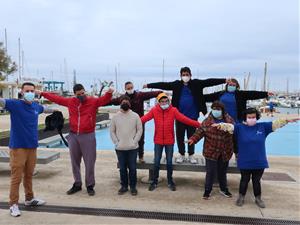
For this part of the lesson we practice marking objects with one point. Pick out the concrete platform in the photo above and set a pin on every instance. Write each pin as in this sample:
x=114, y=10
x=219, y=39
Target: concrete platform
x=282, y=198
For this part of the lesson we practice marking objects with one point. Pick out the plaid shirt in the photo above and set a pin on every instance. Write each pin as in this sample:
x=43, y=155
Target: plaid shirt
x=217, y=143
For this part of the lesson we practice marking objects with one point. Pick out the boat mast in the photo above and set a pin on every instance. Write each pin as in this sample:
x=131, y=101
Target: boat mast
x=19, y=66
x=265, y=78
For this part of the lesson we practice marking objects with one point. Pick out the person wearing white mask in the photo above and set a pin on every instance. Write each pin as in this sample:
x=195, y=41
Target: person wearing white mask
x=188, y=99
x=164, y=115
x=137, y=99
x=252, y=159
x=23, y=144
x=217, y=148
x=234, y=99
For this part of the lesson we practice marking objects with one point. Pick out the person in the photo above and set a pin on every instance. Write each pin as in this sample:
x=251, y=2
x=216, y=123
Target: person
x=23, y=144
x=234, y=99
x=252, y=159
x=188, y=99
x=271, y=108
x=217, y=148
x=137, y=99
x=81, y=138
x=126, y=130
x=164, y=116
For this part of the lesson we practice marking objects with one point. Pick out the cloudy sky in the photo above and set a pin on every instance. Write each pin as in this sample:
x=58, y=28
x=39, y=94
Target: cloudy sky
x=216, y=38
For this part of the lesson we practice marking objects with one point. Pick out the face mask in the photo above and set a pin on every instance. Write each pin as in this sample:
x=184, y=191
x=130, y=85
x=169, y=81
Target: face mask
x=251, y=122
x=185, y=79
x=125, y=106
x=164, y=106
x=130, y=92
x=29, y=96
x=231, y=88
x=216, y=113
x=81, y=98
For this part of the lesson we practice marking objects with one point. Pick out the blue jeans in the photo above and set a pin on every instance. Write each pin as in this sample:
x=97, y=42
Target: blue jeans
x=127, y=160
x=158, y=149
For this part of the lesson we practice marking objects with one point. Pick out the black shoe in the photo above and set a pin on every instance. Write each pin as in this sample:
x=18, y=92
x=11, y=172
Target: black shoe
x=172, y=186
x=122, y=190
x=133, y=191
x=152, y=186
x=206, y=195
x=226, y=193
x=74, y=189
x=90, y=190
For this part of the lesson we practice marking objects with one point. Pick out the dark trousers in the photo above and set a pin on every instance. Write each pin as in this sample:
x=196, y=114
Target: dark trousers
x=127, y=161
x=158, y=149
x=256, y=176
x=180, y=134
x=216, y=168
x=141, y=143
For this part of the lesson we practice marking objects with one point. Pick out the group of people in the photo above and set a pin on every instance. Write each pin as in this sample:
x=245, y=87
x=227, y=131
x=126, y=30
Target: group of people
x=229, y=128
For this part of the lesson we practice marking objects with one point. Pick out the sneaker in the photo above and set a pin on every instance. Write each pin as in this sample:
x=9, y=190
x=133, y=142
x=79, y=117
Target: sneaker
x=192, y=159
x=206, y=195
x=35, y=202
x=240, y=201
x=122, y=190
x=226, y=193
x=133, y=191
x=90, y=190
x=14, y=210
x=259, y=202
x=141, y=160
x=152, y=186
x=180, y=159
x=74, y=189
x=172, y=187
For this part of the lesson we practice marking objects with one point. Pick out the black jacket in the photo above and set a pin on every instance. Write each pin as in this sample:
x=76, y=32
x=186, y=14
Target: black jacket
x=196, y=87
x=137, y=100
x=241, y=98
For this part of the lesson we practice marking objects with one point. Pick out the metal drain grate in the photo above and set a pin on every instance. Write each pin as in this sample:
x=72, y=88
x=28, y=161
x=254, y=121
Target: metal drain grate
x=153, y=215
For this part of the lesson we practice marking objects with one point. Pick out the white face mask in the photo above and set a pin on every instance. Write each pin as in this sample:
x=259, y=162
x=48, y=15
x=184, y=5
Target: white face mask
x=164, y=106
x=186, y=79
x=130, y=92
x=251, y=121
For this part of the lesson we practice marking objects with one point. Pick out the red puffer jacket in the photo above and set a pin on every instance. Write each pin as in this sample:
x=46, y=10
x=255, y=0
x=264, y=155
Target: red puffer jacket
x=82, y=116
x=164, y=123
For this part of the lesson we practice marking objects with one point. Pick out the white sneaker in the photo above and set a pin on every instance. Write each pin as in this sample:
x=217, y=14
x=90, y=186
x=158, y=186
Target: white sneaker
x=35, y=202
x=180, y=159
x=14, y=210
x=192, y=159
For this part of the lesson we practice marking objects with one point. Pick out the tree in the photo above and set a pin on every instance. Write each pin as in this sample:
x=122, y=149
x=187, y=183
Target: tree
x=7, y=66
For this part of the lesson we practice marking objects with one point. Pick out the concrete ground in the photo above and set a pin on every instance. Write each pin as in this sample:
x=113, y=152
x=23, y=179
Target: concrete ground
x=282, y=198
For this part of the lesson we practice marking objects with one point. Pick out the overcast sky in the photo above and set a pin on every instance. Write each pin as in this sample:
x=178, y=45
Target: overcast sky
x=216, y=38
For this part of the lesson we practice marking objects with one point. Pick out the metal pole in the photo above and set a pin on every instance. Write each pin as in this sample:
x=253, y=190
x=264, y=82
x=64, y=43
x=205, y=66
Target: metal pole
x=265, y=77
x=116, y=78
x=5, y=40
x=19, y=66
x=163, y=71
x=22, y=63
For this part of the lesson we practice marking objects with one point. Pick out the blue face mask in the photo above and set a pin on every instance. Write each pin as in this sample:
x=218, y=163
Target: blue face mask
x=216, y=113
x=29, y=96
x=231, y=88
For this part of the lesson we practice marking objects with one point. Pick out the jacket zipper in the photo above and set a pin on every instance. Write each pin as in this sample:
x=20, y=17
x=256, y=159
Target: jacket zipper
x=163, y=127
x=78, y=126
